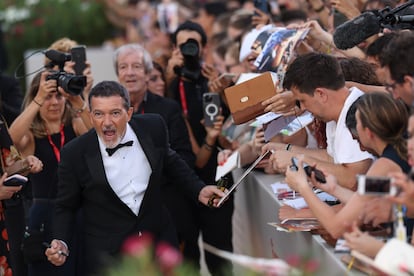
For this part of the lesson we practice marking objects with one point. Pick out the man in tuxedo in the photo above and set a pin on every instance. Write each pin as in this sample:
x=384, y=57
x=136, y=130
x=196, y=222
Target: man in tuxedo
x=114, y=174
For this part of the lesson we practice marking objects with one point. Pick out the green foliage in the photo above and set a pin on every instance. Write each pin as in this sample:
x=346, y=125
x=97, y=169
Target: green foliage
x=36, y=24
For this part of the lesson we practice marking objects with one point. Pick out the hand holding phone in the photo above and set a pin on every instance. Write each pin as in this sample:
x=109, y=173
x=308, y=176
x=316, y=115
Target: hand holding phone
x=319, y=176
x=211, y=108
x=376, y=185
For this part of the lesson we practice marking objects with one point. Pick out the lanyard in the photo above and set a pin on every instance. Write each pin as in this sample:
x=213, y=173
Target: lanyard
x=56, y=151
x=182, y=97
x=142, y=108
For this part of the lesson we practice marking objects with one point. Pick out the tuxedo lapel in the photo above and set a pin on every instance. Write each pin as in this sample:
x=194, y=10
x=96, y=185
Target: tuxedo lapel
x=94, y=160
x=147, y=146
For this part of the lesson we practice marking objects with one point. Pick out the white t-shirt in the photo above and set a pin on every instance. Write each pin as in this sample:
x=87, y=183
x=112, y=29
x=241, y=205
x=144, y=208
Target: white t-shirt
x=341, y=146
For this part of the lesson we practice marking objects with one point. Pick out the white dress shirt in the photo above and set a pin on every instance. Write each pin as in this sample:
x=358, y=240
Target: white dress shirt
x=127, y=170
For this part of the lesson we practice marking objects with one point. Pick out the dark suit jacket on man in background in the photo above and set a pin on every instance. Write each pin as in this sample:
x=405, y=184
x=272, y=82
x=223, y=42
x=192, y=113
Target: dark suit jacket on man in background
x=107, y=220
x=170, y=111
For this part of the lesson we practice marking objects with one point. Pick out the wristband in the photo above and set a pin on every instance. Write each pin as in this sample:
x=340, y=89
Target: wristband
x=288, y=147
x=207, y=146
x=36, y=102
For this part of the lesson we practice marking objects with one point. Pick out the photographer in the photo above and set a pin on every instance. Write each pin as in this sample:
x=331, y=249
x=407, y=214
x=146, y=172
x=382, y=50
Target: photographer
x=80, y=85
x=187, y=80
x=51, y=118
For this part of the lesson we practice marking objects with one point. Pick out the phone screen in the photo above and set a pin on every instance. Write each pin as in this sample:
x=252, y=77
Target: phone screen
x=377, y=185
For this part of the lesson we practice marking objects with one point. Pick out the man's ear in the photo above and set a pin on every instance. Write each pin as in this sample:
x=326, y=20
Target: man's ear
x=130, y=112
x=410, y=81
x=321, y=94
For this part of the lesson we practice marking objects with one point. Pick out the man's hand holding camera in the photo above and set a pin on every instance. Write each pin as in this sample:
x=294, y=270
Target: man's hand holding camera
x=176, y=60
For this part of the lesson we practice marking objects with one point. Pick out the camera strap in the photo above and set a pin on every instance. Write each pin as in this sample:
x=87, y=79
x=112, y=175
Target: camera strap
x=182, y=97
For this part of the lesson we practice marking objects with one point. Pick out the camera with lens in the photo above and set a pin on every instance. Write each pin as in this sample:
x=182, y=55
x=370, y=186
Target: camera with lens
x=72, y=84
x=192, y=68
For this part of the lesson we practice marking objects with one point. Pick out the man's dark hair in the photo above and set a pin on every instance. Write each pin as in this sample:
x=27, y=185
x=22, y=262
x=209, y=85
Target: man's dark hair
x=190, y=26
x=398, y=55
x=358, y=70
x=350, y=119
x=313, y=70
x=108, y=89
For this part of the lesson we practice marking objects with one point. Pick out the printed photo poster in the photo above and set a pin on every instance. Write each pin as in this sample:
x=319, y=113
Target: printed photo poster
x=279, y=48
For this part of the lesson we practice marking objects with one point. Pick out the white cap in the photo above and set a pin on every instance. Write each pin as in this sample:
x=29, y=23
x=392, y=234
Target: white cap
x=248, y=40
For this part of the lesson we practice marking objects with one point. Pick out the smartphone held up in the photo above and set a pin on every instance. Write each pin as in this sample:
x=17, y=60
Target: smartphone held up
x=211, y=108
x=376, y=185
x=78, y=55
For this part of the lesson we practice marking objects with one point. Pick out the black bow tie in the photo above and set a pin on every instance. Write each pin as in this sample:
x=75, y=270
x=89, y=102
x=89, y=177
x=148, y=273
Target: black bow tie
x=111, y=151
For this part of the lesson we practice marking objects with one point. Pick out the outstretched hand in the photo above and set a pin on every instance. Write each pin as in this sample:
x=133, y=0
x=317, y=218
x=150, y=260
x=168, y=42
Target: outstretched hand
x=209, y=191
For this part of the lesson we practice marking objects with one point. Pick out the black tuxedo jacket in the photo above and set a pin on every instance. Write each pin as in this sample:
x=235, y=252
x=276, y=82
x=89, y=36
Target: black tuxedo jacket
x=107, y=220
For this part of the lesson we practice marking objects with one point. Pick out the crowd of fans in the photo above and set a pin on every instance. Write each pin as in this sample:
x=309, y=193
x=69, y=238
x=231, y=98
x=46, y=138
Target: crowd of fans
x=167, y=55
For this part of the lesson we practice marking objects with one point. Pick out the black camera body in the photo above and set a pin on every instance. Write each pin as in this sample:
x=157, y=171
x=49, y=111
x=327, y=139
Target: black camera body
x=72, y=84
x=192, y=67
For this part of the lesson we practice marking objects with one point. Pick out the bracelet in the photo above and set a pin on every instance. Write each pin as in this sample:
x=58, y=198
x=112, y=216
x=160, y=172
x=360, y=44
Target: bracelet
x=207, y=146
x=288, y=147
x=36, y=102
x=318, y=10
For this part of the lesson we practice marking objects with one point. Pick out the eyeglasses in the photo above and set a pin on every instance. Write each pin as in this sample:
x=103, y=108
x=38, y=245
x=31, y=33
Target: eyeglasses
x=390, y=87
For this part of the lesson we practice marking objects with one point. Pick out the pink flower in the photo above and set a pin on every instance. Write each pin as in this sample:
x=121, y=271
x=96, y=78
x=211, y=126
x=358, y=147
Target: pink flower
x=168, y=257
x=137, y=245
x=311, y=266
x=19, y=29
x=293, y=260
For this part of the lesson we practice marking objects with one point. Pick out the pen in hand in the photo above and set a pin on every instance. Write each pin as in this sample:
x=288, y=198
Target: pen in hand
x=60, y=252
